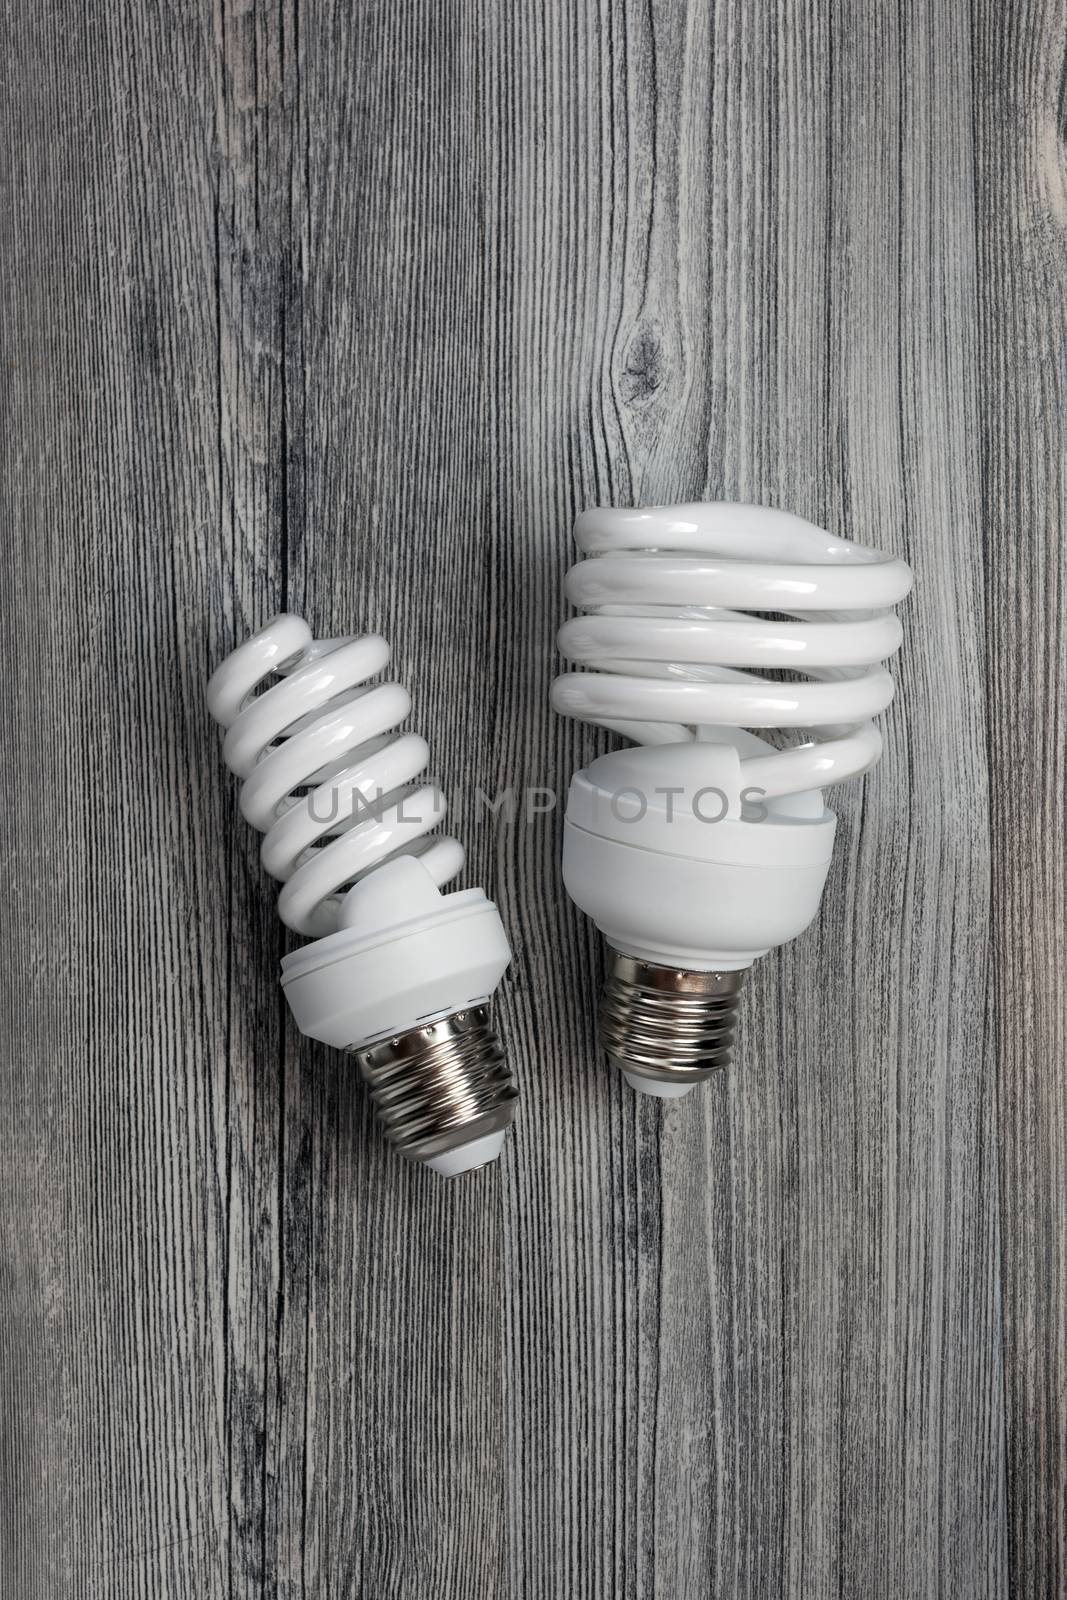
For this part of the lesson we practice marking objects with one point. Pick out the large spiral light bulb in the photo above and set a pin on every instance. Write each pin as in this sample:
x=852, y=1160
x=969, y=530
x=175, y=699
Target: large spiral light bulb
x=707, y=846
x=400, y=975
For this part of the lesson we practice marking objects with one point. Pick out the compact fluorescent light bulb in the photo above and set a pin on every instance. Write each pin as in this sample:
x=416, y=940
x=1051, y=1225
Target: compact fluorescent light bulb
x=706, y=846
x=399, y=974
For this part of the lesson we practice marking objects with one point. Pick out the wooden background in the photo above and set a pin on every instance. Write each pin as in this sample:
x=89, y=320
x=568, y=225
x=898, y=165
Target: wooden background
x=347, y=309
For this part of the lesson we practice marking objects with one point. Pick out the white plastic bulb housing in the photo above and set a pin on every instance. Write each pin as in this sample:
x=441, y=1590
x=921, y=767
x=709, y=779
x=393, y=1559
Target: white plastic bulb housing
x=398, y=974
x=706, y=846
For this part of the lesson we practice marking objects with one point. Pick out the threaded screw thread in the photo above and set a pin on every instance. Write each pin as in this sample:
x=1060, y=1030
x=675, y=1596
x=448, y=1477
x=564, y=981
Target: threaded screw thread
x=667, y=1024
x=441, y=1085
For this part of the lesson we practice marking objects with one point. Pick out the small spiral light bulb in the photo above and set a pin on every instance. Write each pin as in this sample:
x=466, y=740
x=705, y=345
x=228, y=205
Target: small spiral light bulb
x=707, y=846
x=399, y=974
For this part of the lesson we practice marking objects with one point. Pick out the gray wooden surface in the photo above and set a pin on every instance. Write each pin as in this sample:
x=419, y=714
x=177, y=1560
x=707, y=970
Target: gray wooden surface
x=347, y=309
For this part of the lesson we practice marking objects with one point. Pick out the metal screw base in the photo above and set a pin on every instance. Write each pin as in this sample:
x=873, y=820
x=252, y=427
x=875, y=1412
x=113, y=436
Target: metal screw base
x=440, y=1086
x=665, y=1024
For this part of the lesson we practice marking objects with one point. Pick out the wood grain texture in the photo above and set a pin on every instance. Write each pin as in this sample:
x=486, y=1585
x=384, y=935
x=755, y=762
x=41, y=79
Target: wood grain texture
x=1022, y=214
x=347, y=310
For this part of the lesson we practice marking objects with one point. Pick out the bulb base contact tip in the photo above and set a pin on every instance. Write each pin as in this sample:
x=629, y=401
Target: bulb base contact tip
x=667, y=1028
x=443, y=1092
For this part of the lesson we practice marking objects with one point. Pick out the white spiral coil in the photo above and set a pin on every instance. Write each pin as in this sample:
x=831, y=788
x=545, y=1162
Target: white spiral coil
x=677, y=601
x=325, y=775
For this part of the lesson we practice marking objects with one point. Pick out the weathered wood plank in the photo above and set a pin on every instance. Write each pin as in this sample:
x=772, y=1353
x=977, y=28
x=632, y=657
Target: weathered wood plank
x=1021, y=188
x=115, y=991
x=767, y=1347
x=403, y=1380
